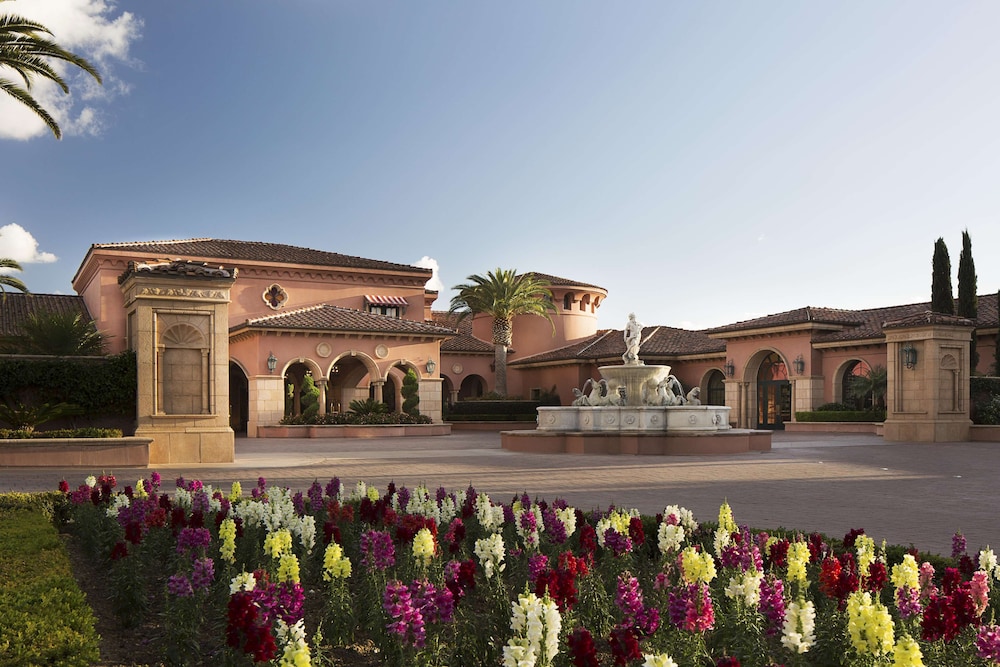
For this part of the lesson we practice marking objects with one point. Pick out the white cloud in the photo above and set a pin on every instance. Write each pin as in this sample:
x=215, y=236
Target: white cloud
x=87, y=28
x=18, y=244
x=434, y=283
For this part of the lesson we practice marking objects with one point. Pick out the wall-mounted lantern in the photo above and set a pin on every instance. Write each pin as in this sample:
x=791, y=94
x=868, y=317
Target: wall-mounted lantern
x=431, y=366
x=272, y=362
x=730, y=368
x=908, y=353
x=799, y=364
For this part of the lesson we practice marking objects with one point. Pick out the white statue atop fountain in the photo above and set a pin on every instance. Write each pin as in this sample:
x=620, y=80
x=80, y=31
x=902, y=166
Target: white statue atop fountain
x=633, y=338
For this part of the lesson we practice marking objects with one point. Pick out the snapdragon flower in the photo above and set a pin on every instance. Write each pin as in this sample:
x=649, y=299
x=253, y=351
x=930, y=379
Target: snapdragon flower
x=799, y=630
x=907, y=653
x=669, y=538
x=335, y=564
x=278, y=543
x=746, y=587
x=288, y=569
x=490, y=516
x=536, y=624
x=296, y=651
x=682, y=517
x=657, y=660
x=227, y=536
x=697, y=567
x=244, y=581
x=869, y=625
x=798, y=558
x=424, y=547
x=491, y=551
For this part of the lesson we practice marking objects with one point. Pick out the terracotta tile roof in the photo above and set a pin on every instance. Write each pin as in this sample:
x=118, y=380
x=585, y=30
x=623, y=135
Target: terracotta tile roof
x=658, y=343
x=325, y=317
x=254, y=251
x=858, y=324
x=17, y=307
x=178, y=267
x=556, y=281
x=463, y=342
x=928, y=317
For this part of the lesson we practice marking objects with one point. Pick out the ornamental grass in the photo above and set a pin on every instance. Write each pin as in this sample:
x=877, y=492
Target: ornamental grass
x=454, y=577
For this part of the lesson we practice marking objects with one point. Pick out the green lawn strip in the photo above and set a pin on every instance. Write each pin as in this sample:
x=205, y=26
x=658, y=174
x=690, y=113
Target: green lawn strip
x=44, y=617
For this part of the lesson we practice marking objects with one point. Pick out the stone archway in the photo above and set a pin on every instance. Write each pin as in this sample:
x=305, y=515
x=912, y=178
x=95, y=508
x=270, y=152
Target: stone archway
x=239, y=399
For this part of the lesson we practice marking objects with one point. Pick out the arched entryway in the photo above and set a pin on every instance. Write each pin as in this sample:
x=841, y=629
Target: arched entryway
x=473, y=386
x=774, y=393
x=853, y=371
x=715, y=389
x=239, y=399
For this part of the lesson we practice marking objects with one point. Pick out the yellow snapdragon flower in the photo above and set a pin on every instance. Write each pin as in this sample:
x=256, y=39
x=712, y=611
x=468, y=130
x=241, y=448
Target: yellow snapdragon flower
x=697, y=567
x=423, y=546
x=235, y=492
x=907, y=653
x=798, y=557
x=906, y=574
x=288, y=569
x=726, y=521
x=335, y=564
x=869, y=625
x=227, y=533
x=277, y=543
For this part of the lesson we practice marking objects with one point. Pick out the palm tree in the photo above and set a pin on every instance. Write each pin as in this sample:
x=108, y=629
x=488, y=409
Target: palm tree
x=26, y=49
x=59, y=334
x=872, y=384
x=10, y=281
x=503, y=295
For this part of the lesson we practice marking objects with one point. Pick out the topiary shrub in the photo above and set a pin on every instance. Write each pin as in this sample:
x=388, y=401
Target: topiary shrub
x=411, y=391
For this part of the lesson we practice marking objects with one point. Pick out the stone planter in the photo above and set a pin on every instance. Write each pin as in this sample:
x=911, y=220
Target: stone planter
x=353, y=431
x=71, y=452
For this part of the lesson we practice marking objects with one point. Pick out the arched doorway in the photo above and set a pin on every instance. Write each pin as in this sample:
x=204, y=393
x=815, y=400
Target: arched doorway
x=716, y=389
x=473, y=386
x=239, y=399
x=774, y=393
x=852, y=372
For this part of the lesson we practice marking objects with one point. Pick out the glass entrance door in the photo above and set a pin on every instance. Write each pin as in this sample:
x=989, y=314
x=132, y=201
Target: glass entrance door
x=774, y=394
x=774, y=404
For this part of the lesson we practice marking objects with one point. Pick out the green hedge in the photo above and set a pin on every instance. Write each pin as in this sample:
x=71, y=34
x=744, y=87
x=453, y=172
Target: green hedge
x=99, y=385
x=841, y=416
x=44, y=617
x=494, y=410
x=355, y=419
x=86, y=432
x=491, y=418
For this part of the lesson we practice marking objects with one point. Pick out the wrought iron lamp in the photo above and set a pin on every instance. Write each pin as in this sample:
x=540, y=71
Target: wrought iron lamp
x=431, y=365
x=730, y=368
x=908, y=353
x=800, y=365
x=272, y=362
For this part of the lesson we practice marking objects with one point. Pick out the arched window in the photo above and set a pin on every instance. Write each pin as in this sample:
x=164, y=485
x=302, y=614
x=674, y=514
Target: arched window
x=716, y=389
x=853, y=373
x=772, y=368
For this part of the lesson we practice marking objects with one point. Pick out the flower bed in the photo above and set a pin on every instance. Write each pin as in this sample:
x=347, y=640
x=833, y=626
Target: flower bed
x=457, y=578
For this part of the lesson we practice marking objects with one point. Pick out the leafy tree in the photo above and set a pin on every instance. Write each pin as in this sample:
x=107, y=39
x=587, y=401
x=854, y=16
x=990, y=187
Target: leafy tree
x=25, y=47
x=968, y=302
x=411, y=391
x=503, y=295
x=874, y=383
x=57, y=334
x=8, y=280
x=942, y=299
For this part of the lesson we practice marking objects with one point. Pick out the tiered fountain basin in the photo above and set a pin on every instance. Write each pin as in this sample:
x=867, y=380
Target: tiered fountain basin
x=635, y=428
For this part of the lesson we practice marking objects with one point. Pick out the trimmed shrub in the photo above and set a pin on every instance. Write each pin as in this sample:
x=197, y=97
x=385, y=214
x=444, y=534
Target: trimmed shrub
x=841, y=416
x=411, y=393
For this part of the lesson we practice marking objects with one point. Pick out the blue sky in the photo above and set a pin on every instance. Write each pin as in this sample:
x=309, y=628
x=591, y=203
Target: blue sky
x=705, y=162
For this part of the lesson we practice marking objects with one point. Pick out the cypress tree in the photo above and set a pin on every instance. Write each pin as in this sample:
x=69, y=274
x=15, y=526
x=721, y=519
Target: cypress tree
x=942, y=299
x=411, y=393
x=968, y=302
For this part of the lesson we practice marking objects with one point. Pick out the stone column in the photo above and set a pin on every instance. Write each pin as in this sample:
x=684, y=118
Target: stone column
x=321, y=384
x=429, y=392
x=927, y=397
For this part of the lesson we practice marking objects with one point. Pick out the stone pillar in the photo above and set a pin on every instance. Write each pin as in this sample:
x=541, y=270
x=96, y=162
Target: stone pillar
x=807, y=394
x=927, y=400
x=378, y=386
x=321, y=384
x=429, y=393
x=178, y=315
x=267, y=402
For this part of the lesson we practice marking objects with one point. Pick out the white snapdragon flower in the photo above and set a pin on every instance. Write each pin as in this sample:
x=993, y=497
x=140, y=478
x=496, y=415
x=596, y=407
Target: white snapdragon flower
x=490, y=516
x=682, y=517
x=798, y=632
x=568, y=518
x=670, y=538
x=244, y=581
x=118, y=502
x=491, y=552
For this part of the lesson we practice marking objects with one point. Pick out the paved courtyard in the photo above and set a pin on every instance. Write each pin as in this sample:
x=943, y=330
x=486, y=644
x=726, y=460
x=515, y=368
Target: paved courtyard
x=905, y=493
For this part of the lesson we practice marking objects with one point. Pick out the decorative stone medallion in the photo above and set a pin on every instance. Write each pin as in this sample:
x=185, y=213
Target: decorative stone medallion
x=457, y=369
x=324, y=350
x=275, y=296
x=381, y=351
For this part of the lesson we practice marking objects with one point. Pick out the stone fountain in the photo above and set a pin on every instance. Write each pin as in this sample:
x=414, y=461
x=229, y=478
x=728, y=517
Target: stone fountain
x=635, y=408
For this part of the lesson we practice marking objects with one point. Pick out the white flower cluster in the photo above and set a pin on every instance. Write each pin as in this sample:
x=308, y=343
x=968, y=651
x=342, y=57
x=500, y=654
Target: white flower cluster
x=799, y=630
x=682, y=517
x=721, y=541
x=362, y=490
x=567, y=517
x=746, y=587
x=670, y=538
x=536, y=624
x=658, y=660
x=244, y=581
x=278, y=512
x=490, y=516
x=988, y=563
x=491, y=551
x=425, y=504
x=118, y=501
